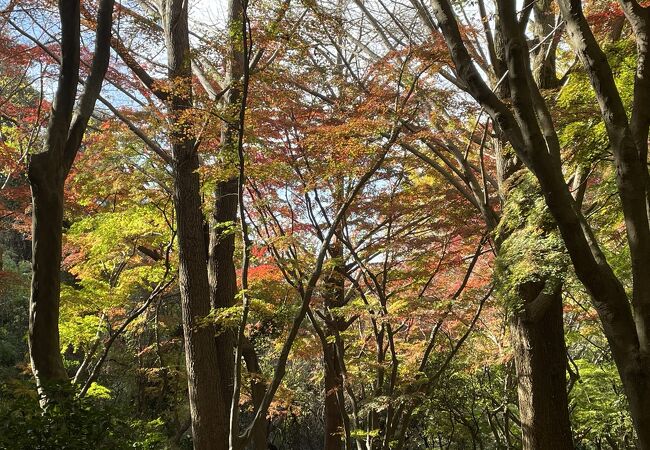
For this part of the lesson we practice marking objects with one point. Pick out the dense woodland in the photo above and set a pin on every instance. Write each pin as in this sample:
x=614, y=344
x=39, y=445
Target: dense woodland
x=336, y=224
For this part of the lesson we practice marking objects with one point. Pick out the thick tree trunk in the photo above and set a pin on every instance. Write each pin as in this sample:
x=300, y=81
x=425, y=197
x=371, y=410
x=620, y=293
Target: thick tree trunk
x=540, y=360
x=335, y=416
x=537, y=331
x=47, y=217
x=47, y=173
x=537, y=338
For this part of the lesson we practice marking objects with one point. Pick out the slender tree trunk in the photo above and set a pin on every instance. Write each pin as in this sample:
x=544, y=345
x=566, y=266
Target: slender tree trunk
x=258, y=389
x=540, y=360
x=209, y=429
x=627, y=329
x=222, y=274
x=221, y=266
x=333, y=419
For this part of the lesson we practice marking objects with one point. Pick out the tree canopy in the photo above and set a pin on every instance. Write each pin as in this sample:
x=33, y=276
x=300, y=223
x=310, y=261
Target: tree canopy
x=338, y=224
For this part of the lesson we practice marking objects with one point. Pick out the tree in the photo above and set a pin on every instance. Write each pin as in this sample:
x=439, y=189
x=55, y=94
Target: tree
x=200, y=351
x=365, y=257
x=47, y=173
x=530, y=130
x=489, y=192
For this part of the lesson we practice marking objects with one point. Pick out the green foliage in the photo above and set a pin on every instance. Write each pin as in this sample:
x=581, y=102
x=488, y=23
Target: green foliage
x=98, y=391
x=108, y=237
x=14, y=291
x=532, y=250
x=584, y=140
x=599, y=408
x=72, y=424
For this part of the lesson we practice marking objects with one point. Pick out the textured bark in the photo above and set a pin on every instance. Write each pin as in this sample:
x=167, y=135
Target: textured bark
x=540, y=360
x=537, y=330
x=209, y=429
x=258, y=389
x=544, y=67
x=336, y=421
x=537, y=338
x=47, y=173
x=221, y=264
x=530, y=131
x=499, y=64
x=222, y=275
x=627, y=329
x=334, y=429
x=47, y=216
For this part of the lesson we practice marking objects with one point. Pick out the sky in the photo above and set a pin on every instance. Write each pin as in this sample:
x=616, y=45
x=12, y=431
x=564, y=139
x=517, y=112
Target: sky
x=209, y=12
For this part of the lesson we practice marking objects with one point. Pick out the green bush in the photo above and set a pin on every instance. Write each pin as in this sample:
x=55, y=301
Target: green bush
x=91, y=422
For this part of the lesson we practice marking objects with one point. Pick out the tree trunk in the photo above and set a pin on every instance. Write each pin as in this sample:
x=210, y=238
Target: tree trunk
x=47, y=173
x=635, y=375
x=540, y=360
x=222, y=274
x=537, y=338
x=258, y=389
x=333, y=419
x=47, y=217
x=221, y=265
x=544, y=67
x=223, y=290
x=209, y=429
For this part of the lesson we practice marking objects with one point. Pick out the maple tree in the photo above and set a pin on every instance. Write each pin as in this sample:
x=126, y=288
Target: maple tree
x=365, y=224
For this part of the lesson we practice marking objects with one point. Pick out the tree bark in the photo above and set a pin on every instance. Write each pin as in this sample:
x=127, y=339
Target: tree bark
x=221, y=263
x=334, y=428
x=209, y=429
x=537, y=330
x=222, y=274
x=258, y=389
x=540, y=360
x=537, y=338
x=47, y=173
x=335, y=417
x=47, y=217
x=544, y=67
x=530, y=131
